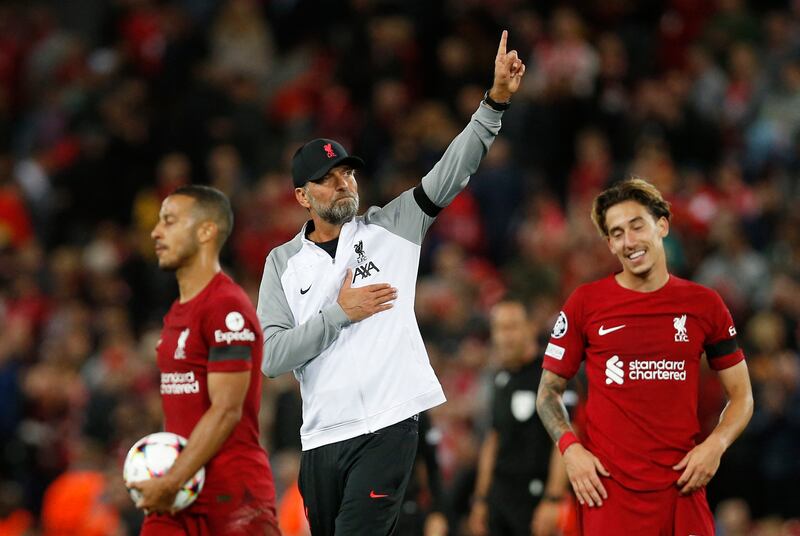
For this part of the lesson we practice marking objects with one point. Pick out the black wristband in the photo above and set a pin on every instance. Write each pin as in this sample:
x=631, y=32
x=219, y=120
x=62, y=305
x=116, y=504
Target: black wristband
x=552, y=498
x=493, y=104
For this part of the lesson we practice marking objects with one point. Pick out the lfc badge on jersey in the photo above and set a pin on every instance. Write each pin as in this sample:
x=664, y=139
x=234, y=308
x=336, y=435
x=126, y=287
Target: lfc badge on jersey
x=180, y=350
x=679, y=323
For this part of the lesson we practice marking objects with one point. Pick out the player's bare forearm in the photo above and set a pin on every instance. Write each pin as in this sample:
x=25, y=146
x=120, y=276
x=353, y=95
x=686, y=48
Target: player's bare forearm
x=550, y=405
x=227, y=392
x=582, y=467
x=739, y=409
x=208, y=435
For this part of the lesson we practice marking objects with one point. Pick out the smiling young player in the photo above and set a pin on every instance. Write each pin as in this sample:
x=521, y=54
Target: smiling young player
x=642, y=333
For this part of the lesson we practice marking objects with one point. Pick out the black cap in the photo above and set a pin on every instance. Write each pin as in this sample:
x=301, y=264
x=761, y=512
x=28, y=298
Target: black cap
x=315, y=159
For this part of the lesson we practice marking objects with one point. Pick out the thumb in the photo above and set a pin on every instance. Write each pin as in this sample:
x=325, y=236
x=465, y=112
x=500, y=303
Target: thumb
x=347, y=277
x=682, y=464
x=600, y=469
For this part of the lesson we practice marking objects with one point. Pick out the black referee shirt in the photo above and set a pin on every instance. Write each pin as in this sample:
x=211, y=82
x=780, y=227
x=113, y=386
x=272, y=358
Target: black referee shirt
x=523, y=455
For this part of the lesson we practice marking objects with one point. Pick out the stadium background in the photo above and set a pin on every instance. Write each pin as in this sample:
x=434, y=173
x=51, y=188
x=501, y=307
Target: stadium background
x=107, y=105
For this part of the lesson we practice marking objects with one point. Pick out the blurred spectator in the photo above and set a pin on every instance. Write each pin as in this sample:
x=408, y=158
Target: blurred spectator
x=731, y=23
x=15, y=220
x=733, y=518
x=592, y=169
x=566, y=64
x=497, y=186
x=14, y=519
x=74, y=506
x=241, y=43
x=735, y=270
x=744, y=93
x=174, y=170
x=709, y=83
x=777, y=125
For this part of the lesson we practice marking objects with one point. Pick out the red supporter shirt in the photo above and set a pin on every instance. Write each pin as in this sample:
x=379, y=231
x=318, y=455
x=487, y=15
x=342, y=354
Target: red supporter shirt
x=216, y=331
x=642, y=353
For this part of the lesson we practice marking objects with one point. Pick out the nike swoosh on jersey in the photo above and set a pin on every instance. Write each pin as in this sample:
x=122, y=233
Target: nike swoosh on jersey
x=374, y=495
x=306, y=290
x=602, y=331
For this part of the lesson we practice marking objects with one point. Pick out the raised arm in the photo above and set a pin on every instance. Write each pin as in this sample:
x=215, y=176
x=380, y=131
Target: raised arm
x=451, y=174
x=582, y=466
x=411, y=213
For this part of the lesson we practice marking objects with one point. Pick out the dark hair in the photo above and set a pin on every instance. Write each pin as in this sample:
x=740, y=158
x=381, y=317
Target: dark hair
x=214, y=205
x=630, y=189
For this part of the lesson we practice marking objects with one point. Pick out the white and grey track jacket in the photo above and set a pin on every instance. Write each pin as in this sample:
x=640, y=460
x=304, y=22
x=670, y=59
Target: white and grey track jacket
x=357, y=378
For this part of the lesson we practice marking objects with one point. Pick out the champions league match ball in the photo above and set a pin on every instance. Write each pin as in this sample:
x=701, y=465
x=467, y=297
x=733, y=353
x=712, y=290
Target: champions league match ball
x=152, y=456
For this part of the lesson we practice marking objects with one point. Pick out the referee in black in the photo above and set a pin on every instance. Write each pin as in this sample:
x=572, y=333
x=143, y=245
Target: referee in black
x=521, y=479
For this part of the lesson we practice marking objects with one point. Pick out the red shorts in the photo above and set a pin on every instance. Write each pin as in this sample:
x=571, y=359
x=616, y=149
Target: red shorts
x=244, y=520
x=648, y=513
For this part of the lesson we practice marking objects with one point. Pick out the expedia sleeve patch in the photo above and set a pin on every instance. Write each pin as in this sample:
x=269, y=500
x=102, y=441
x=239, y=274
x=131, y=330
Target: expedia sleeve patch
x=721, y=348
x=229, y=353
x=555, y=351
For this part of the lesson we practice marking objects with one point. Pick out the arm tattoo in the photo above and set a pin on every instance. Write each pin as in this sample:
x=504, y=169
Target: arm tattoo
x=550, y=406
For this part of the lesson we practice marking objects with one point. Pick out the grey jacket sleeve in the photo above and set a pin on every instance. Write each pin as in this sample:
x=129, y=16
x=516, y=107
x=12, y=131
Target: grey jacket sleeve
x=412, y=212
x=287, y=346
x=451, y=173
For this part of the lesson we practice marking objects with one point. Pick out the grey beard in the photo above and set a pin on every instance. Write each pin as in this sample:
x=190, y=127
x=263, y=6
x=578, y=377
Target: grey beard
x=337, y=212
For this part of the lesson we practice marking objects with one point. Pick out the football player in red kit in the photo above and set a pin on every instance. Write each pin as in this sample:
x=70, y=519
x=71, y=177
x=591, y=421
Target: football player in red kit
x=642, y=332
x=209, y=356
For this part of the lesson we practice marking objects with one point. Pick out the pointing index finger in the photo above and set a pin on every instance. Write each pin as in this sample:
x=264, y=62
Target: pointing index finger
x=501, y=50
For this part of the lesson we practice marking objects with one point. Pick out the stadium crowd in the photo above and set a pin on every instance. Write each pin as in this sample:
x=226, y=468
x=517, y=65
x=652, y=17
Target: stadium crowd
x=106, y=107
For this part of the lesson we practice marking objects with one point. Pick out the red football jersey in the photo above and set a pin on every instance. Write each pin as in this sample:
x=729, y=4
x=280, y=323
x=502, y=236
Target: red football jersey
x=642, y=352
x=216, y=331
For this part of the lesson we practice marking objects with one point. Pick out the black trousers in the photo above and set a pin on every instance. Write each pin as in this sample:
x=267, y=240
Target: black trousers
x=357, y=486
x=511, y=506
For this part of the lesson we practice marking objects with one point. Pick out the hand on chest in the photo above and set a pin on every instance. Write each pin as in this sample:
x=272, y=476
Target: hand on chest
x=318, y=277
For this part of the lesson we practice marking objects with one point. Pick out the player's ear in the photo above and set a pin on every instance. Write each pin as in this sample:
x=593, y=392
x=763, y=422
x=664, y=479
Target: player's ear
x=663, y=226
x=207, y=231
x=302, y=198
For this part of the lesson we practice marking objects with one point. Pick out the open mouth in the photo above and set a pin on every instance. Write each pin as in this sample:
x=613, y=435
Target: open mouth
x=636, y=255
